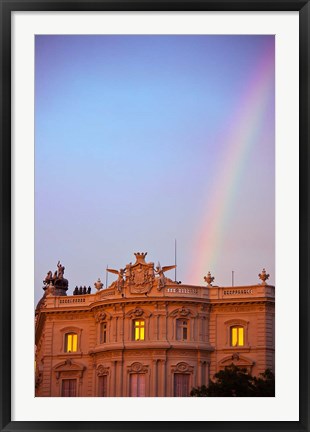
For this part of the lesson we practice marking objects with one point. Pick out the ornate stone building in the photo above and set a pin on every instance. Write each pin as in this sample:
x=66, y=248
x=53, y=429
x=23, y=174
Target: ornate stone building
x=146, y=335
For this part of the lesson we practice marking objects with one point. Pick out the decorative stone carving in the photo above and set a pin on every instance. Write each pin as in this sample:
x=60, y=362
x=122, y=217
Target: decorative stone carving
x=138, y=312
x=182, y=367
x=102, y=370
x=141, y=276
x=237, y=360
x=209, y=279
x=137, y=367
x=263, y=277
x=100, y=316
x=140, y=257
x=182, y=313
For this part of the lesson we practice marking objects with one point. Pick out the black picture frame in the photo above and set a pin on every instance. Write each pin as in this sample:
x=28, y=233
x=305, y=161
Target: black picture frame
x=9, y=6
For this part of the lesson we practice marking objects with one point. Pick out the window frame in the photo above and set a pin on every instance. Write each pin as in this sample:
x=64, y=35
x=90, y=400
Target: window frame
x=70, y=329
x=74, y=336
x=104, y=387
x=238, y=328
x=237, y=322
x=68, y=380
x=139, y=385
x=138, y=327
x=103, y=332
x=183, y=385
x=180, y=327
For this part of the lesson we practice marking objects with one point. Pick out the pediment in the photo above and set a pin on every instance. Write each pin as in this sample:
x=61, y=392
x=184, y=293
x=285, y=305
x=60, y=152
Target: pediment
x=69, y=366
x=236, y=359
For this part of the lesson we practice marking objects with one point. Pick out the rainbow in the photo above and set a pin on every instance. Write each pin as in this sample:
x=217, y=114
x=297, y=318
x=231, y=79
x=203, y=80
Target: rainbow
x=248, y=121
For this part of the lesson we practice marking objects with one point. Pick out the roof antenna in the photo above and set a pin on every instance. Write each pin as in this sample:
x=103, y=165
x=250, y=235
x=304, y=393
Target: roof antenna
x=175, y=260
x=106, y=277
x=232, y=277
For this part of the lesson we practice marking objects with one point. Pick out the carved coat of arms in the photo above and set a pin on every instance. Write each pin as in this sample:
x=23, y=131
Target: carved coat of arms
x=141, y=276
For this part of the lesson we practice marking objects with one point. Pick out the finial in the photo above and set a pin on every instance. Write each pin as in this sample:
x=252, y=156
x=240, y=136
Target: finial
x=98, y=285
x=209, y=279
x=263, y=276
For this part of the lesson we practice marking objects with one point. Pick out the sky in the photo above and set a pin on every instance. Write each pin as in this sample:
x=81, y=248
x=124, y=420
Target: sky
x=144, y=141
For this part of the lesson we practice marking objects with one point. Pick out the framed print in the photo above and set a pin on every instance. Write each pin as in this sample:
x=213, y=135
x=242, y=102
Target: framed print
x=154, y=215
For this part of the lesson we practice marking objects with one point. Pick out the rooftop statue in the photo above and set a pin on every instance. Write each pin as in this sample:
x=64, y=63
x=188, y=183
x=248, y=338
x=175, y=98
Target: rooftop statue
x=120, y=279
x=161, y=277
x=56, y=280
x=61, y=270
x=54, y=285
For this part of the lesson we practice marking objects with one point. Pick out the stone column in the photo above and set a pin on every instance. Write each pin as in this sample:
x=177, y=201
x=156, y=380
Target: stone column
x=121, y=329
x=119, y=378
x=199, y=372
x=114, y=372
x=156, y=320
x=162, y=379
x=207, y=373
x=154, y=390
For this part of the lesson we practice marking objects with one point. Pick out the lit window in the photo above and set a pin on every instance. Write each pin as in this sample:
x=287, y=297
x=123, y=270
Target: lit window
x=71, y=342
x=237, y=336
x=138, y=329
x=103, y=333
x=182, y=329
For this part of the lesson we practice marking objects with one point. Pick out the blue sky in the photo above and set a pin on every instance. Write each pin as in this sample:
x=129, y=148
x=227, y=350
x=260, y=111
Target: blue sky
x=131, y=136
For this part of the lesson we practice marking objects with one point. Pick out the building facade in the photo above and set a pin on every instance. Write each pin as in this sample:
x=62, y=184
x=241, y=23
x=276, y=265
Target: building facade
x=146, y=335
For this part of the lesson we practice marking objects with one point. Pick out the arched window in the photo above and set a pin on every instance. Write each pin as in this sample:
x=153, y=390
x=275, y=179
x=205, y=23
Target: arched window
x=138, y=329
x=71, y=342
x=182, y=329
x=236, y=336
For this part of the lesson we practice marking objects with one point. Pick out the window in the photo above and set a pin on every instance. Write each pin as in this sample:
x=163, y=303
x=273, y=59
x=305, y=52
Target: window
x=68, y=388
x=138, y=330
x=103, y=332
x=181, y=385
x=182, y=329
x=237, y=336
x=137, y=385
x=103, y=382
x=71, y=342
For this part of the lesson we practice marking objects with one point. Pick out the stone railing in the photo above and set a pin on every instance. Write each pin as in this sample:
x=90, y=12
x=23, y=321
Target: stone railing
x=69, y=301
x=185, y=291
x=169, y=291
x=241, y=292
